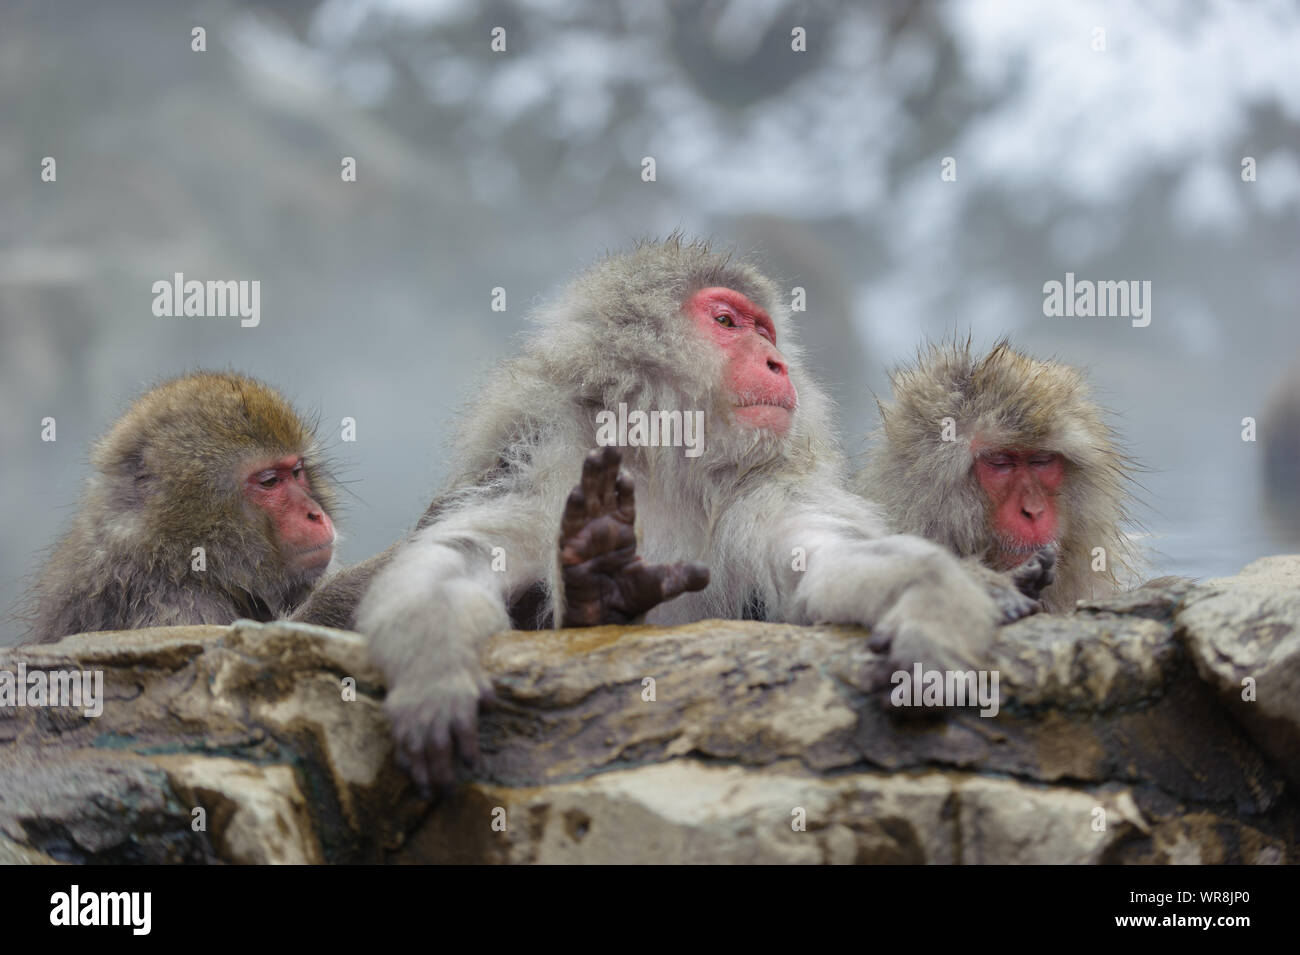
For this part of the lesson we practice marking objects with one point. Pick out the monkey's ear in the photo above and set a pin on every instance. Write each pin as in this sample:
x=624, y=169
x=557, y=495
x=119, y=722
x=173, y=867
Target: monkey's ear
x=132, y=478
x=131, y=463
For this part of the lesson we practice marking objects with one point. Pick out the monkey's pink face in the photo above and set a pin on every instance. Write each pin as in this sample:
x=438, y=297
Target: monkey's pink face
x=1022, y=488
x=302, y=529
x=755, y=373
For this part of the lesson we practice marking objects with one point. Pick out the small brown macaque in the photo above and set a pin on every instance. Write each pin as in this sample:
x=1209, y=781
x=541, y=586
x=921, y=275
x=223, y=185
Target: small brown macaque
x=1007, y=460
x=208, y=502
x=755, y=491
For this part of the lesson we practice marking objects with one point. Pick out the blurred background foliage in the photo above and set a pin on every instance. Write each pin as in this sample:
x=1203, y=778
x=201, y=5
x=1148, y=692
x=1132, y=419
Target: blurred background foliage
x=480, y=169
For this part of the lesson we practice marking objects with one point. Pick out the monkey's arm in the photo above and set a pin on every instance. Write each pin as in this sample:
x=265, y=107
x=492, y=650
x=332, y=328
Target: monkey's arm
x=334, y=602
x=428, y=610
x=831, y=567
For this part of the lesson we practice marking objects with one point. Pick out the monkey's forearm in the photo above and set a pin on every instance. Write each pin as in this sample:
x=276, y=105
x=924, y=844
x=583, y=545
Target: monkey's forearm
x=856, y=581
x=451, y=583
x=428, y=610
x=334, y=602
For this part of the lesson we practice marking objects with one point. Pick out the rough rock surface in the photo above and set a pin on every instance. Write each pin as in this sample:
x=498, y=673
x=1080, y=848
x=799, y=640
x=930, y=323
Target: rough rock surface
x=1122, y=736
x=248, y=723
x=1243, y=633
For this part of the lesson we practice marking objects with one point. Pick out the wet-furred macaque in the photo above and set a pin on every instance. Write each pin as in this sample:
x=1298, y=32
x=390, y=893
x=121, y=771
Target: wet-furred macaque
x=676, y=330
x=207, y=502
x=1001, y=456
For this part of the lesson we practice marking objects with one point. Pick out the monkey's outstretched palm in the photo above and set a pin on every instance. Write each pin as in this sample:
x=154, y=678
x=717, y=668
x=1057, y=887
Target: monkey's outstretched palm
x=605, y=580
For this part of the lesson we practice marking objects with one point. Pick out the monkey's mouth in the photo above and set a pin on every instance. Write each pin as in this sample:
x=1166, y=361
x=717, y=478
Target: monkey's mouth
x=774, y=416
x=1010, y=554
x=788, y=402
x=313, y=558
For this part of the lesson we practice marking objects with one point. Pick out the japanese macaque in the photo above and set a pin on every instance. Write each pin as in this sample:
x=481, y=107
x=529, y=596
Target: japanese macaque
x=653, y=351
x=1000, y=456
x=207, y=503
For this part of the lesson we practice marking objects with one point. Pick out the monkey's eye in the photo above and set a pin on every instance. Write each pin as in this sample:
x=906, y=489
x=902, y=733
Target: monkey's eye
x=1041, y=460
x=269, y=483
x=725, y=320
x=999, y=461
x=299, y=470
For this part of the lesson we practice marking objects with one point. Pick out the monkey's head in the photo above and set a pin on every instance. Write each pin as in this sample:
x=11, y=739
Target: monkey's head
x=675, y=326
x=998, y=456
x=220, y=461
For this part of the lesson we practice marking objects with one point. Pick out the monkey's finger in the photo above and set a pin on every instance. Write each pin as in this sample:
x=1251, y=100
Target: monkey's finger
x=1035, y=574
x=402, y=757
x=611, y=463
x=411, y=759
x=465, y=732
x=1046, y=562
x=1049, y=556
x=1017, y=606
x=438, y=762
x=880, y=640
x=625, y=491
x=682, y=577
x=593, y=477
x=575, y=514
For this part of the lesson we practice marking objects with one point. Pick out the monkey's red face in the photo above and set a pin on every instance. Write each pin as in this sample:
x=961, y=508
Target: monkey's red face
x=1022, y=487
x=755, y=373
x=302, y=529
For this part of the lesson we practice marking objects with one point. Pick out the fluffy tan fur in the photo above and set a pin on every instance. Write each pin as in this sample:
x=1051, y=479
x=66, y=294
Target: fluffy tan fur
x=1005, y=398
x=166, y=479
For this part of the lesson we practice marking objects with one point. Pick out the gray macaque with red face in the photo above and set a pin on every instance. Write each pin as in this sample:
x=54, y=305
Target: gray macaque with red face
x=759, y=518
x=1008, y=461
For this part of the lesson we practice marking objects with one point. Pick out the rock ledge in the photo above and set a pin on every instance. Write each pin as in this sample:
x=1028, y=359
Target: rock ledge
x=1162, y=725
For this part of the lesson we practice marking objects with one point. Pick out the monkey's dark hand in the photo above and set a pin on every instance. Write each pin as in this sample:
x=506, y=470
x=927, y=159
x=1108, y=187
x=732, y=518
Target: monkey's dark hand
x=1017, y=593
x=1037, y=573
x=605, y=581
x=435, y=720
